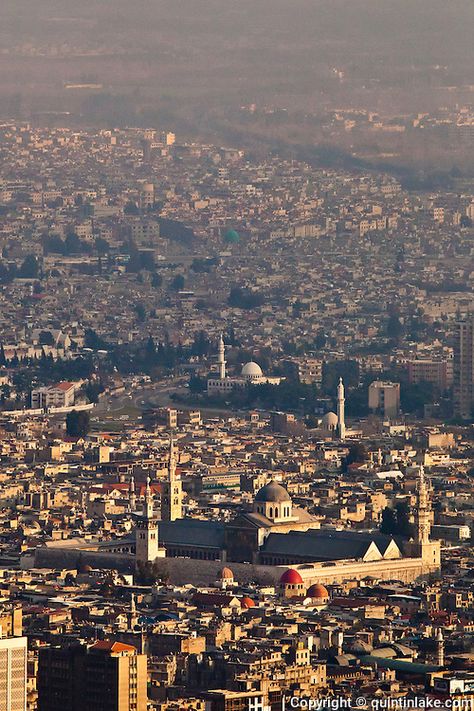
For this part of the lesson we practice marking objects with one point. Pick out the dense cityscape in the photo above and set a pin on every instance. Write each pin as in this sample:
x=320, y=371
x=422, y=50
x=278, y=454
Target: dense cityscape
x=236, y=356
x=236, y=431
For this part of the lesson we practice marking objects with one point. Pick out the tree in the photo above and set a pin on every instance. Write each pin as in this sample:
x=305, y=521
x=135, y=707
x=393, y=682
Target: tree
x=101, y=245
x=197, y=384
x=94, y=341
x=140, y=311
x=389, y=522
x=178, y=282
x=357, y=453
x=131, y=208
x=348, y=370
x=30, y=268
x=46, y=338
x=245, y=298
x=149, y=573
x=156, y=280
x=396, y=522
x=405, y=528
x=78, y=423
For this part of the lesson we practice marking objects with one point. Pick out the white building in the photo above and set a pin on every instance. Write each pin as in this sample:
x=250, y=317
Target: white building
x=251, y=374
x=13, y=657
x=59, y=395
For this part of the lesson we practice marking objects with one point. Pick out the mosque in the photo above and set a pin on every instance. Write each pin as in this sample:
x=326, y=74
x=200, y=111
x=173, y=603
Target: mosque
x=335, y=424
x=261, y=543
x=251, y=374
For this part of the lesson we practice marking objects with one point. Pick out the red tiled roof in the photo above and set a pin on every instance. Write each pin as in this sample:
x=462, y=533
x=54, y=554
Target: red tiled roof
x=106, y=646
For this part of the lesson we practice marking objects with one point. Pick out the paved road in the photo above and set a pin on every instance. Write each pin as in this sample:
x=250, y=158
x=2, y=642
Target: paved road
x=154, y=395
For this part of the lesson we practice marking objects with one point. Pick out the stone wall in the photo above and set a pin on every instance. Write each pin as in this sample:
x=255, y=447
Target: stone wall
x=184, y=571
x=69, y=558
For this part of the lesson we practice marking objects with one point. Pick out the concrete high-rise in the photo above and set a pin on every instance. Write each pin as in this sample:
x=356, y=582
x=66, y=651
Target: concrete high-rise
x=13, y=657
x=107, y=676
x=384, y=398
x=464, y=368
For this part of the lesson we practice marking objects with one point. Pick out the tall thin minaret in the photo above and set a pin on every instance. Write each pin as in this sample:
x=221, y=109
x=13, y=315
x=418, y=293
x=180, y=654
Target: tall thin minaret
x=221, y=358
x=423, y=523
x=148, y=501
x=132, y=497
x=172, y=490
x=440, y=648
x=341, y=423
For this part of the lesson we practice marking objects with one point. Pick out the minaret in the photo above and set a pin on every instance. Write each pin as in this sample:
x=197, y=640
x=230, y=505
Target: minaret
x=132, y=614
x=146, y=535
x=132, y=498
x=440, y=648
x=341, y=424
x=221, y=358
x=423, y=524
x=148, y=502
x=172, y=491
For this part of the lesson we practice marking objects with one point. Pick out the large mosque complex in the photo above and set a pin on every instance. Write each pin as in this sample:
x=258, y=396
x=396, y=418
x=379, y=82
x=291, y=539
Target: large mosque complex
x=274, y=536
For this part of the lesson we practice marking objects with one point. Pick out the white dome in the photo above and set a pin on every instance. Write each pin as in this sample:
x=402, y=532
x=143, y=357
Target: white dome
x=330, y=420
x=252, y=370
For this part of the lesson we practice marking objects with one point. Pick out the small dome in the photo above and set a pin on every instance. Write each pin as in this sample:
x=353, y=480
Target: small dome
x=291, y=577
x=232, y=237
x=318, y=591
x=246, y=602
x=330, y=420
x=252, y=370
x=273, y=493
x=226, y=574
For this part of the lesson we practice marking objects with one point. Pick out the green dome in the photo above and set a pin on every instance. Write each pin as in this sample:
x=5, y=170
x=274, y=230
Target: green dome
x=232, y=237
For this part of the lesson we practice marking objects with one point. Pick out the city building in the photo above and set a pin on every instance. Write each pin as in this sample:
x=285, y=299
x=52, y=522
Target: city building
x=437, y=372
x=59, y=395
x=384, y=398
x=104, y=676
x=464, y=368
x=13, y=657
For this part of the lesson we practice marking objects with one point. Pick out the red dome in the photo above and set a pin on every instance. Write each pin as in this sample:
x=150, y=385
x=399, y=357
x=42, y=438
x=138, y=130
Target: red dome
x=246, y=602
x=291, y=577
x=317, y=590
x=226, y=574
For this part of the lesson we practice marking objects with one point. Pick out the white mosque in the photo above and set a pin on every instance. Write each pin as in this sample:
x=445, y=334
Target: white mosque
x=335, y=424
x=251, y=374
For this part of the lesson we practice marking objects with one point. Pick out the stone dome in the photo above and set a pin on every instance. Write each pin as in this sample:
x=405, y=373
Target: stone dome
x=291, y=577
x=252, y=370
x=318, y=591
x=272, y=493
x=246, y=603
x=232, y=237
x=330, y=421
x=226, y=574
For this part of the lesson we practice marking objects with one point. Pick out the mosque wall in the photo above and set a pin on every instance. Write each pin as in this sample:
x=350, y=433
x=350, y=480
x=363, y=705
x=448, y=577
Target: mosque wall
x=183, y=571
x=186, y=570
x=64, y=558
